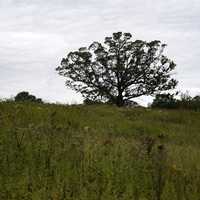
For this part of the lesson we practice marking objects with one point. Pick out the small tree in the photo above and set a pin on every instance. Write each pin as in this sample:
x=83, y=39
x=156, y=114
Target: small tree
x=25, y=96
x=165, y=101
x=196, y=102
x=119, y=70
x=196, y=98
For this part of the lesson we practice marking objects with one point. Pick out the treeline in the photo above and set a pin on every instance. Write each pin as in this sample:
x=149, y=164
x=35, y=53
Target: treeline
x=165, y=101
x=24, y=97
x=169, y=101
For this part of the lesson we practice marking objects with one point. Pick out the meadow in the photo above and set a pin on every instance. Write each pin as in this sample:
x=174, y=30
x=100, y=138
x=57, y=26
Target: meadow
x=98, y=152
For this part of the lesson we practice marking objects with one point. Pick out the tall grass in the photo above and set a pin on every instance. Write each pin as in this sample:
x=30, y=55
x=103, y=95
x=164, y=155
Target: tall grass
x=98, y=152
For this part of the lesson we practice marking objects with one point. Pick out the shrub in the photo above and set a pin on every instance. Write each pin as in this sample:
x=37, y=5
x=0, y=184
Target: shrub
x=168, y=101
x=25, y=96
x=164, y=101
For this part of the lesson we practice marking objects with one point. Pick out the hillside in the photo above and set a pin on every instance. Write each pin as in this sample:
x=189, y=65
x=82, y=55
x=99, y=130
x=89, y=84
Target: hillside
x=98, y=152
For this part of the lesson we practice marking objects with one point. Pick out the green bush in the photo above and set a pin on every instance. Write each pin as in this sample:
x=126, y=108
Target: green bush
x=167, y=101
x=25, y=96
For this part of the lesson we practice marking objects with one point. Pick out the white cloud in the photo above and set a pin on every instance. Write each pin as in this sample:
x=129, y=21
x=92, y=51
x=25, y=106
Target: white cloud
x=36, y=34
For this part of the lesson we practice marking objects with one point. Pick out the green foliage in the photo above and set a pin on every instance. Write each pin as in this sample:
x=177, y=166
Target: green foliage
x=98, y=152
x=188, y=102
x=25, y=96
x=168, y=101
x=91, y=102
x=119, y=69
x=165, y=101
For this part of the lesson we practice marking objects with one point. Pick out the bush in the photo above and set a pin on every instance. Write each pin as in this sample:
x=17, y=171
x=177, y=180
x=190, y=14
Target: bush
x=165, y=101
x=168, y=101
x=91, y=102
x=193, y=103
x=25, y=96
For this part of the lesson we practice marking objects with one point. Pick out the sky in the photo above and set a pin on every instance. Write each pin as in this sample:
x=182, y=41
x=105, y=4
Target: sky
x=36, y=34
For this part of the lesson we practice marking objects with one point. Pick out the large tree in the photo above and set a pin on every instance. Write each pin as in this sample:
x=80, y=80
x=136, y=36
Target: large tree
x=118, y=70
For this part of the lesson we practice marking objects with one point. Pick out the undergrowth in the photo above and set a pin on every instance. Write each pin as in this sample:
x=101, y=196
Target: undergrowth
x=98, y=152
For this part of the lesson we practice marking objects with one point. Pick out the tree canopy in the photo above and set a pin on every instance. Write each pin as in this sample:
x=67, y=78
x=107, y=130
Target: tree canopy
x=25, y=96
x=118, y=70
x=165, y=101
x=170, y=101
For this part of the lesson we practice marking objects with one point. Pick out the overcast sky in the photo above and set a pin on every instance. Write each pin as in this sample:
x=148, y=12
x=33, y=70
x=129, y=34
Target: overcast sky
x=36, y=34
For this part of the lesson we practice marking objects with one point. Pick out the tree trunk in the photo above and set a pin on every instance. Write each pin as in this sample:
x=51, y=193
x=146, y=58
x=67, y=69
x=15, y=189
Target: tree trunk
x=120, y=101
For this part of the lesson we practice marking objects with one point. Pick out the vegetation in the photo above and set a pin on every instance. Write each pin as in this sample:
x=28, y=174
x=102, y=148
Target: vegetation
x=119, y=70
x=168, y=101
x=25, y=96
x=98, y=152
x=164, y=101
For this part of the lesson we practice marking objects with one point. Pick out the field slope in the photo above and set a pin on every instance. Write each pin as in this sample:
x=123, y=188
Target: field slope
x=56, y=152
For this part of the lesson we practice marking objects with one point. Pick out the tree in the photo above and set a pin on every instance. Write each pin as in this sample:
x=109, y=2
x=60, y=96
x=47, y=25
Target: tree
x=25, y=96
x=165, y=101
x=196, y=98
x=196, y=103
x=119, y=70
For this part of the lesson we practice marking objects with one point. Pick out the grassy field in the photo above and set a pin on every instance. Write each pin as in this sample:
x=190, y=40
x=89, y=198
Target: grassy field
x=55, y=152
